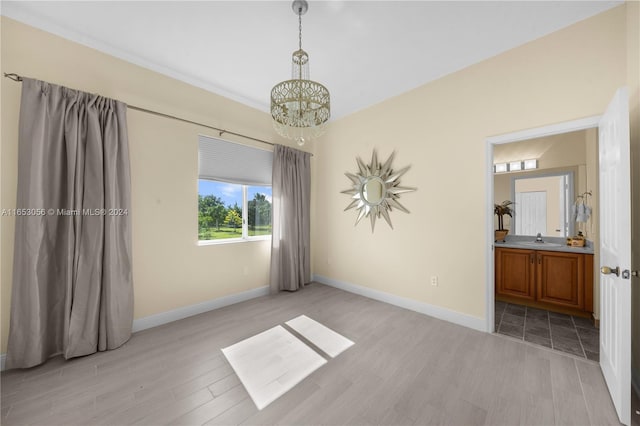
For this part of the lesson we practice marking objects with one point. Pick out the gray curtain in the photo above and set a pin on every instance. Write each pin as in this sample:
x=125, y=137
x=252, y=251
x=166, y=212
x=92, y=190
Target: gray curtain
x=291, y=186
x=72, y=285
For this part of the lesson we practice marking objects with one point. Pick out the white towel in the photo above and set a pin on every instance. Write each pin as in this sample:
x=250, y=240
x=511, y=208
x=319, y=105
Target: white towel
x=583, y=213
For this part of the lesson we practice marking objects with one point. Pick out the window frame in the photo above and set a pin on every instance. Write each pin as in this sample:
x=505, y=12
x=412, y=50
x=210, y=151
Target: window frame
x=245, y=221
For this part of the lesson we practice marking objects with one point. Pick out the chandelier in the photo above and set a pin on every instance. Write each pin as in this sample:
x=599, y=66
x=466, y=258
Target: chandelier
x=300, y=107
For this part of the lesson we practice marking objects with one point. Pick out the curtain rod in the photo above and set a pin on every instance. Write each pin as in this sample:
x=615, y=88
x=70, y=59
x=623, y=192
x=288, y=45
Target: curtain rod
x=18, y=78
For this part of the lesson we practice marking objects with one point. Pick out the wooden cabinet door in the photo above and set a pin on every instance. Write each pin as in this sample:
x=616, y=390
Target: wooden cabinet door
x=515, y=273
x=560, y=278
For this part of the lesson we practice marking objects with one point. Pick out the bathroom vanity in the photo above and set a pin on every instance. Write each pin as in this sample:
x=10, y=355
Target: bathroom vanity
x=547, y=275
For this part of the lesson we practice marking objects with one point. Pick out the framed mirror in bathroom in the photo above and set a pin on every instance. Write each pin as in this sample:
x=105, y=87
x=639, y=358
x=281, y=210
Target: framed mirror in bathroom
x=542, y=204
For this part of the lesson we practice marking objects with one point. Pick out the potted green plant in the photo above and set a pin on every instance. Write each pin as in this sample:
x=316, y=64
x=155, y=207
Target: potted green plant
x=501, y=210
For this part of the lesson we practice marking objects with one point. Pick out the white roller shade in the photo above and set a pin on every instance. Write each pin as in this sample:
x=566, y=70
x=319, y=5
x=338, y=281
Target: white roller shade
x=233, y=162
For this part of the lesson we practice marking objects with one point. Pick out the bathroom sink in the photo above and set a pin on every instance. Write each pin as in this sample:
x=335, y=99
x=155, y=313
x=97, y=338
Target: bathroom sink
x=536, y=244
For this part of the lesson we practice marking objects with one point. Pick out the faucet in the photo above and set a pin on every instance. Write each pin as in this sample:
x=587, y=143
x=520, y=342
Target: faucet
x=539, y=238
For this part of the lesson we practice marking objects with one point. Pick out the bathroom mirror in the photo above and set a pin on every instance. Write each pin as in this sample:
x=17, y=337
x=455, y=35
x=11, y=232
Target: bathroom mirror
x=542, y=204
x=544, y=197
x=375, y=189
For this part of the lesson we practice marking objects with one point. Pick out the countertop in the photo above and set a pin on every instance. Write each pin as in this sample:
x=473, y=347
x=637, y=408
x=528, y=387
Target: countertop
x=528, y=243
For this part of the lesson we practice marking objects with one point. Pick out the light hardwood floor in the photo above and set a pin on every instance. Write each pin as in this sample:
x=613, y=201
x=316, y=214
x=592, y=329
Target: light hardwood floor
x=404, y=369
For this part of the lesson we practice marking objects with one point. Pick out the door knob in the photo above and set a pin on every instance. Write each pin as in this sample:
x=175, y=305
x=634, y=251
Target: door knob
x=608, y=270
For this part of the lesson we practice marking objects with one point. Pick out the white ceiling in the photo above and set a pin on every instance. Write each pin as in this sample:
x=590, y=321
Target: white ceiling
x=363, y=51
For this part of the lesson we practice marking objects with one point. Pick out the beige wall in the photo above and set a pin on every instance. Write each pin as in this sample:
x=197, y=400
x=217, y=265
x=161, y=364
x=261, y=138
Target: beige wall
x=566, y=149
x=441, y=129
x=633, y=82
x=170, y=270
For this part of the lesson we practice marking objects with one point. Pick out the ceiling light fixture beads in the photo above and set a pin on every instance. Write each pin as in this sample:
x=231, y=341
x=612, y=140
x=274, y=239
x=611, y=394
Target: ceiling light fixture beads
x=300, y=107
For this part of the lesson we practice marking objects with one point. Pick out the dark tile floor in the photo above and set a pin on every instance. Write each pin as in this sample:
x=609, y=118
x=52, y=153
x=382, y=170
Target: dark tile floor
x=565, y=333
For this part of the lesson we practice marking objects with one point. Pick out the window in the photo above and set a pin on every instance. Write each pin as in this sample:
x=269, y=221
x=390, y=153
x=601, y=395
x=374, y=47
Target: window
x=222, y=207
x=258, y=211
x=234, y=191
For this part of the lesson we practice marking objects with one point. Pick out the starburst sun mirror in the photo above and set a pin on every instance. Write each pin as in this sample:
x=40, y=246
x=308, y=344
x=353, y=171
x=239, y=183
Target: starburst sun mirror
x=375, y=189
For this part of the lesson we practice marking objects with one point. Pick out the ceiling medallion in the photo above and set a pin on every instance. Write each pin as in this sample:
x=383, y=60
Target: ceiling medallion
x=300, y=107
x=375, y=189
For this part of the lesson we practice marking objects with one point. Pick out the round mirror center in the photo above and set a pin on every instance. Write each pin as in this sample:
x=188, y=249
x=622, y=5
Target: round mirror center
x=373, y=190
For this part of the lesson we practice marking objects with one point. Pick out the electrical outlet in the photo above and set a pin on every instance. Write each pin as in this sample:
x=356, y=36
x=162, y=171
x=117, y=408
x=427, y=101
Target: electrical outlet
x=434, y=280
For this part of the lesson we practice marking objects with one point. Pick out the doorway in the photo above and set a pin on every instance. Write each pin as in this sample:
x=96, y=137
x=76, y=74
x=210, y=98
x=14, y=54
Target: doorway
x=614, y=244
x=543, y=288
x=492, y=143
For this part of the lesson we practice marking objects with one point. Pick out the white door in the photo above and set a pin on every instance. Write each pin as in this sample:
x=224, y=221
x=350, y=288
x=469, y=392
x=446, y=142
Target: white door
x=615, y=253
x=531, y=213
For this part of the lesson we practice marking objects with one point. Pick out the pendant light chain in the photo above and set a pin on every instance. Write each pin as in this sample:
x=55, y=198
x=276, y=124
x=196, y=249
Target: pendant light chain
x=300, y=76
x=300, y=28
x=300, y=89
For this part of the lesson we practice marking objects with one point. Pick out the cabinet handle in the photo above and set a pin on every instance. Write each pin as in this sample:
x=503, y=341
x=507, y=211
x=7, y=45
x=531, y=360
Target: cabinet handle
x=539, y=260
x=531, y=257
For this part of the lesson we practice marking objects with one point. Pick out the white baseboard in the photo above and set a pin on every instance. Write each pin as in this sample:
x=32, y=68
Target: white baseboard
x=403, y=302
x=199, y=308
x=186, y=311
